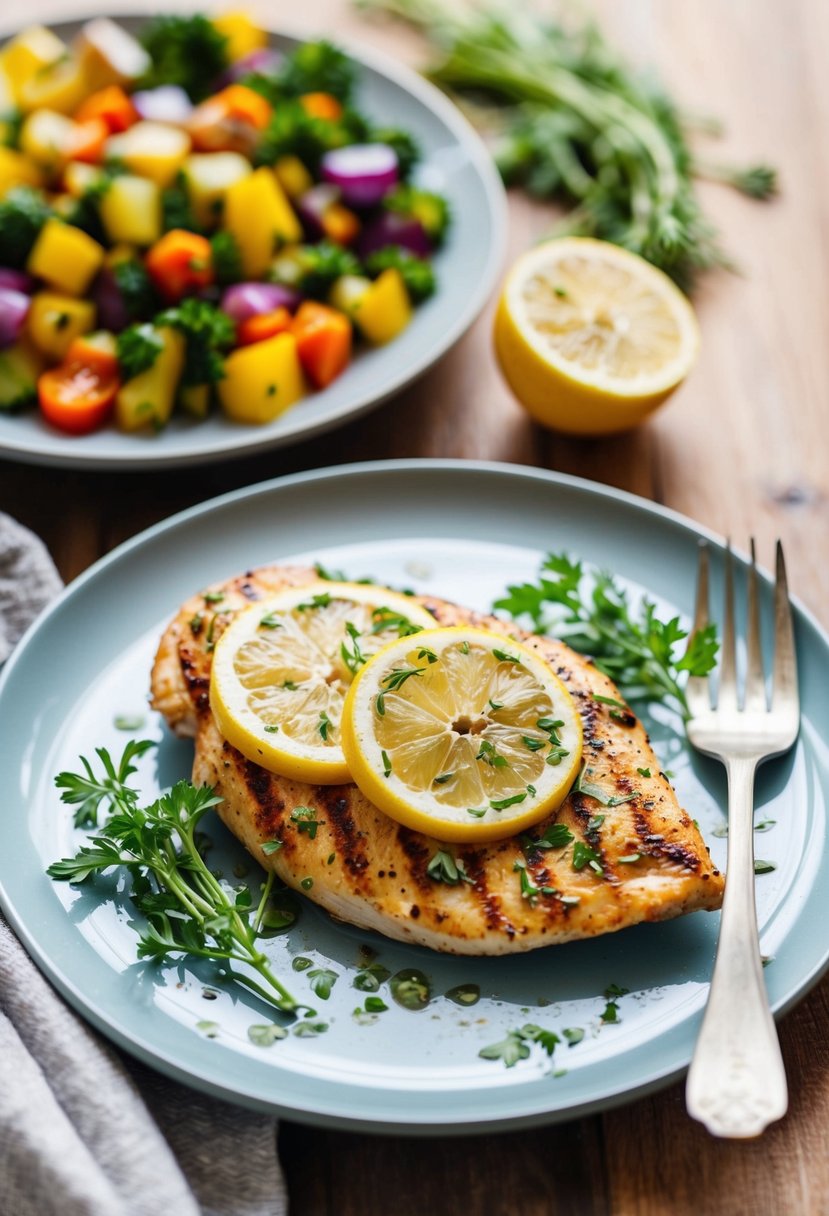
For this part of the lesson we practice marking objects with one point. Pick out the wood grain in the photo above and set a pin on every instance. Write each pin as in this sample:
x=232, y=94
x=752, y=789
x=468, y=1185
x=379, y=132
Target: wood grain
x=742, y=448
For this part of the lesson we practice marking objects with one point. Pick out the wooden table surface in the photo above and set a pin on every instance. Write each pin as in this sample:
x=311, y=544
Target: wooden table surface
x=742, y=448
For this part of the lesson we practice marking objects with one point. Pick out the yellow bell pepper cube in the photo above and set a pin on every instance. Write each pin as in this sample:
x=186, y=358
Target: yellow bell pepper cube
x=62, y=86
x=152, y=150
x=45, y=137
x=110, y=55
x=54, y=321
x=261, y=381
x=258, y=215
x=292, y=176
x=28, y=53
x=242, y=35
x=130, y=210
x=147, y=399
x=385, y=309
x=17, y=170
x=66, y=257
x=78, y=178
x=209, y=176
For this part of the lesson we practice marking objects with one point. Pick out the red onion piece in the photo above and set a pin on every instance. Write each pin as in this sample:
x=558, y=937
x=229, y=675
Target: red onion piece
x=265, y=60
x=16, y=280
x=389, y=228
x=110, y=308
x=312, y=206
x=363, y=173
x=244, y=300
x=14, y=305
x=168, y=103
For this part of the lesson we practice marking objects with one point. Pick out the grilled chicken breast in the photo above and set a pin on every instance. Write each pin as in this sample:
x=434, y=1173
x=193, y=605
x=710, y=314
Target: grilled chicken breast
x=650, y=861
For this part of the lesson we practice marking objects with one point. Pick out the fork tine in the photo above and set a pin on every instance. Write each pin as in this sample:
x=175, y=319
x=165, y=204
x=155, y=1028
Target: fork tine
x=755, y=676
x=785, y=663
x=727, y=695
x=697, y=690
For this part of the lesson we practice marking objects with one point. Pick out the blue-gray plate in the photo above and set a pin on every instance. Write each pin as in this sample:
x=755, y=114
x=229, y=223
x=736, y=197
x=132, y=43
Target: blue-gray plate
x=463, y=531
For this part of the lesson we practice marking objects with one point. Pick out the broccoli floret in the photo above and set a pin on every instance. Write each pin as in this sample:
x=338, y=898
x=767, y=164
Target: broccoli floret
x=187, y=51
x=417, y=273
x=322, y=265
x=137, y=292
x=138, y=347
x=23, y=212
x=227, y=260
x=405, y=146
x=176, y=211
x=318, y=67
x=293, y=132
x=19, y=370
x=432, y=210
x=208, y=332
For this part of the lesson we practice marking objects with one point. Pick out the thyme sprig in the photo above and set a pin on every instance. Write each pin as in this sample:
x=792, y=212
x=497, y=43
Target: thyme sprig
x=576, y=123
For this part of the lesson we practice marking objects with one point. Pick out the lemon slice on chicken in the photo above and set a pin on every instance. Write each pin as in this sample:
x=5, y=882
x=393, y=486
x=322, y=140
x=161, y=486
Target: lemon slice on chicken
x=282, y=668
x=462, y=734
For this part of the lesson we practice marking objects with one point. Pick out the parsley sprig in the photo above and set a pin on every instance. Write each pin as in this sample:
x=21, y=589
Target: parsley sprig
x=593, y=613
x=187, y=909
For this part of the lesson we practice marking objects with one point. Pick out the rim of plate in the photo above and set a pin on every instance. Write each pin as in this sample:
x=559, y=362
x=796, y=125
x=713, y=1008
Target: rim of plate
x=249, y=441
x=338, y=1114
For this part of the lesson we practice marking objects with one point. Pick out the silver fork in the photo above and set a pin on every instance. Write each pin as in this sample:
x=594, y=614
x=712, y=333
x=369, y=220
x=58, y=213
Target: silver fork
x=737, y=1084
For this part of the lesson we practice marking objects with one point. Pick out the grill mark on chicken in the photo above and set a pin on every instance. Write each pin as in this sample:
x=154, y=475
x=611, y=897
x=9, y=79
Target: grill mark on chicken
x=380, y=879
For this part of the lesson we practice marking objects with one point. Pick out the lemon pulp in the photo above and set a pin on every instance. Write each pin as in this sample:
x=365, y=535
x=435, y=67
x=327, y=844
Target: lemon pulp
x=462, y=734
x=591, y=337
x=282, y=668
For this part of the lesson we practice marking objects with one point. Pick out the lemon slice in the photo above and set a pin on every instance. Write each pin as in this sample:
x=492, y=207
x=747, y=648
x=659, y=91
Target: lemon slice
x=282, y=668
x=590, y=337
x=462, y=734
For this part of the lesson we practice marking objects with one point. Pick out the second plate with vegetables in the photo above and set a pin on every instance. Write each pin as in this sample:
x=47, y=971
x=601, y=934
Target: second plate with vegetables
x=278, y=332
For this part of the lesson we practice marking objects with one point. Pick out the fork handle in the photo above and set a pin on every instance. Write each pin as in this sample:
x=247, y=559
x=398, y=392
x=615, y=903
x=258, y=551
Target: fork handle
x=737, y=1084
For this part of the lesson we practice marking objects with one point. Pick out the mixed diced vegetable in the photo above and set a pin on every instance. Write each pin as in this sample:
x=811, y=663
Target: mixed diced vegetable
x=191, y=220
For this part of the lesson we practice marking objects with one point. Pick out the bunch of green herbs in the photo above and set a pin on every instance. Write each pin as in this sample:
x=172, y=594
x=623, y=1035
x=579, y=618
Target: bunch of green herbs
x=577, y=124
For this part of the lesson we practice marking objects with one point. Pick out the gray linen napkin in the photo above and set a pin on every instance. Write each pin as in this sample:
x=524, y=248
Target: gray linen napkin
x=85, y=1131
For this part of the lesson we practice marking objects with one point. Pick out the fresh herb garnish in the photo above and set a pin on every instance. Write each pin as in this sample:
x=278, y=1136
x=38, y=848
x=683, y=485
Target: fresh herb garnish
x=464, y=994
x=610, y=1015
x=516, y=1046
x=322, y=981
x=411, y=989
x=632, y=645
x=443, y=867
x=352, y=656
x=501, y=804
x=267, y=1034
x=490, y=755
x=304, y=818
x=324, y=726
x=188, y=910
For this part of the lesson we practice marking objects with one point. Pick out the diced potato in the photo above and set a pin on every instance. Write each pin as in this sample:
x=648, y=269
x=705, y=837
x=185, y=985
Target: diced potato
x=292, y=176
x=20, y=366
x=261, y=381
x=130, y=210
x=110, y=54
x=241, y=33
x=62, y=86
x=66, y=257
x=152, y=150
x=147, y=399
x=258, y=215
x=78, y=178
x=209, y=176
x=45, y=137
x=348, y=292
x=54, y=321
x=17, y=170
x=28, y=53
x=385, y=309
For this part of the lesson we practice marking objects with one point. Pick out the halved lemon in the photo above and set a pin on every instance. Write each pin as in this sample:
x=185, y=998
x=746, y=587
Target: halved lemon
x=282, y=668
x=462, y=734
x=590, y=337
